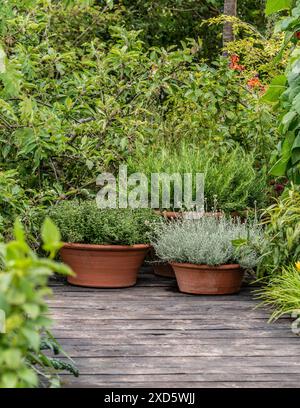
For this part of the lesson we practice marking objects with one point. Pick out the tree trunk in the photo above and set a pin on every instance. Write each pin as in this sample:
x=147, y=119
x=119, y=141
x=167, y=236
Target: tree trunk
x=230, y=9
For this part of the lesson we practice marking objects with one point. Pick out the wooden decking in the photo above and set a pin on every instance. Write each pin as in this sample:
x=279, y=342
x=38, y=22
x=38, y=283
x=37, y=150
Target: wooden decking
x=153, y=336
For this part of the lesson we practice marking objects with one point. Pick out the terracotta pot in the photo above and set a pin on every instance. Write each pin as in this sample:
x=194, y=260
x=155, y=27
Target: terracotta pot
x=104, y=266
x=208, y=280
x=164, y=270
x=242, y=215
x=170, y=215
x=195, y=215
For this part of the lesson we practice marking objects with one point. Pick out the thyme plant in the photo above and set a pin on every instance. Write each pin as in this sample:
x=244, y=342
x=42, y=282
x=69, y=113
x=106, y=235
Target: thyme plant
x=209, y=240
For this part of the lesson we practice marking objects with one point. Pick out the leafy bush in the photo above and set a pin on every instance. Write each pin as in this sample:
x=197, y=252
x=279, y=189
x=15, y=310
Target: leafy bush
x=282, y=233
x=83, y=222
x=283, y=92
x=282, y=293
x=13, y=199
x=231, y=180
x=255, y=49
x=77, y=91
x=208, y=241
x=23, y=287
x=167, y=22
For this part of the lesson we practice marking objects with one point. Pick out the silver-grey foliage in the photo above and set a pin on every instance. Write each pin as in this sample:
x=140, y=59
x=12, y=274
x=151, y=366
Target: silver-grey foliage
x=208, y=241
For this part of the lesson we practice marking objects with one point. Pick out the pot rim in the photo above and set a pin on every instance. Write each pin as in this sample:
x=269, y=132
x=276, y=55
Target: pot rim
x=99, y=247
x=206, y=267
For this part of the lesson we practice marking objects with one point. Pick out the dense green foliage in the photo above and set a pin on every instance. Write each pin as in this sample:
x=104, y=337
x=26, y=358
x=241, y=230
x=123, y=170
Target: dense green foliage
x=167, y=22
x=23, y=288
x=208, y=240
x=79, y=93
x=284, y=93
x=88, y=84
x=282, y=293
x=282, y=232
x=232, y=183
x=83, y=222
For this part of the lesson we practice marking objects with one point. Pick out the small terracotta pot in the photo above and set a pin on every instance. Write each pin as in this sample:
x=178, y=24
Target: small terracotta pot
x=104, y=266
x=208, y=280
x=195, y=215
x=171, y=215
x=164, y=270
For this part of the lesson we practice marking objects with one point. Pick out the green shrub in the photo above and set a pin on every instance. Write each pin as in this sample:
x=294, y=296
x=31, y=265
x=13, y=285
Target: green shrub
x=68, y=113
x=282, y=293
x=230, y=177
x=13, y=199
x=208, y=241
x=83, y=222
x=282, y=233
x=23, y=288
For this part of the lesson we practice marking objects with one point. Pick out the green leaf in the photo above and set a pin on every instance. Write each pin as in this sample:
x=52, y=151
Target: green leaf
x=12, y=358
x=19, y=231
x=295, y=156
x=29, y=376
x=281, y=166
x=32, y=310
x=287, y=119
x=110, y=4
x=32, y=337
x=273, y=6
x=8, y=380
x=276, y=88
x=51, y=237
x=239, y=242
x=24, y=137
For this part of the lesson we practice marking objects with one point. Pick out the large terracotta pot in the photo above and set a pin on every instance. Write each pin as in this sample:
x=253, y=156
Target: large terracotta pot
x=104, y=266
x=164, y=269
x=208, y=280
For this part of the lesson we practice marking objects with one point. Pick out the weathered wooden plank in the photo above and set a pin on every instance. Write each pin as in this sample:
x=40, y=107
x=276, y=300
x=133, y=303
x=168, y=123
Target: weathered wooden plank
x=141, y=287
x=158, y=304
x=95, y=349
x=195, y=364
x=187, y=380
x=174, y=338
x=172, y=324
x=130, y=293
x=175, y=385
x=179, y=335
x=153, y=336
x=142, y=313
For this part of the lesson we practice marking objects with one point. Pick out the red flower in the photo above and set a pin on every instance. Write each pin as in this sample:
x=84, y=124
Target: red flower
x=254, y=82
x=234, y=63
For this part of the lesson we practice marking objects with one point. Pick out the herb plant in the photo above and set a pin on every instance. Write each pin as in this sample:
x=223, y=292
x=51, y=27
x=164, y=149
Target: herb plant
x=231, y=180
x=83, y=222
x=209, y=240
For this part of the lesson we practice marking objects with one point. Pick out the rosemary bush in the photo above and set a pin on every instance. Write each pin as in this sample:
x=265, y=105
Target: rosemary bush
x=208, y=241
x=83, y=222
x=230, y=176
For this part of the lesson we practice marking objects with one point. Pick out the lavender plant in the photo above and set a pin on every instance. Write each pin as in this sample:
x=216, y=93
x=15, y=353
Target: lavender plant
x=208, y=240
